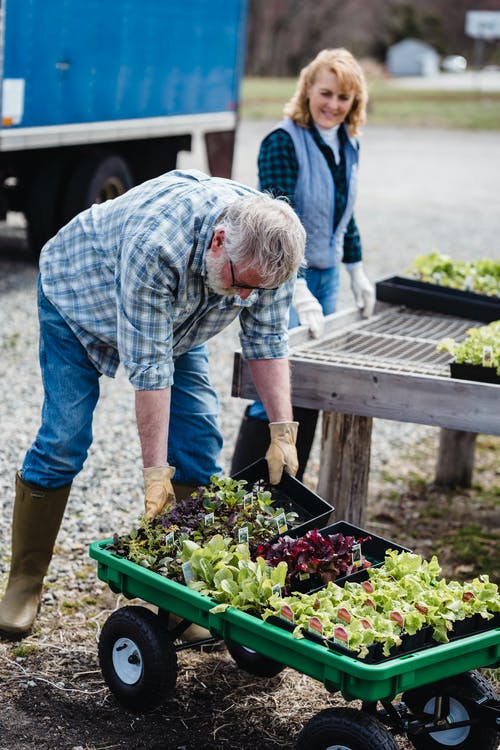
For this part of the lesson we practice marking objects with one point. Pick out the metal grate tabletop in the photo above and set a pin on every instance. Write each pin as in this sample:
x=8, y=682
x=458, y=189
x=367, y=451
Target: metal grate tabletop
x=396, y=339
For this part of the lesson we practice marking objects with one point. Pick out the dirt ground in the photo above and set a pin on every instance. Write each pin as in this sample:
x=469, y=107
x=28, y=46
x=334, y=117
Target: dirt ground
x=54, y=697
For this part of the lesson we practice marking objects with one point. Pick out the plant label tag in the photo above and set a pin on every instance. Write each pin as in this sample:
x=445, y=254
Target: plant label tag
x=304, y=576
x=286, y=613
x=341, y=636
x=357, y=558
x=487, y=356
x=169, y=538
x=209, y=519
x=281, y=522
x=315, y=626
x=247, y=500
x=276, y=589
x=243, y=535
x=187, y=571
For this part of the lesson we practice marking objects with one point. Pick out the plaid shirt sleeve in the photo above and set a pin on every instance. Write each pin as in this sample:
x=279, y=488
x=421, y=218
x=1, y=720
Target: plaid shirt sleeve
x=278, y=166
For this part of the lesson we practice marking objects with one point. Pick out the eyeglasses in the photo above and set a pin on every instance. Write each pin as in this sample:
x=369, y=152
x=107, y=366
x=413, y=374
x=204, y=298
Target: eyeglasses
x=237, y=285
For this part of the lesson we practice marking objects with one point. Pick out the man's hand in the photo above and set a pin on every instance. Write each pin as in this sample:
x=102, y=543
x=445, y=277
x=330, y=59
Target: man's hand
x=282, y=452
x=158, y=490
x=362, y=289
x=308, y=309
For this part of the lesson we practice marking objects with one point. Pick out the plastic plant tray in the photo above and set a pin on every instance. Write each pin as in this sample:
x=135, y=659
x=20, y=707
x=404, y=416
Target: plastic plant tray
x=424, y=296
x=463, y=371
x=338, y=672
x=373, y=549
x=291, y=495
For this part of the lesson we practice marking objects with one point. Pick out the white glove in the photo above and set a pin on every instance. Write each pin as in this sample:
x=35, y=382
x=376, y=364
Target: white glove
x=308, y=309
x=362, y=289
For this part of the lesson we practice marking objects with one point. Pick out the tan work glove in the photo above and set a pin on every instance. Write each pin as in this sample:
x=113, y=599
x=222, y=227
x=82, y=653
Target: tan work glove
x=158, y=490
x=282, y=451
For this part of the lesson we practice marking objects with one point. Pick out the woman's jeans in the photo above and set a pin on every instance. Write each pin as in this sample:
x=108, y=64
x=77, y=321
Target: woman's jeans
x=71, y=392
x=324, y=284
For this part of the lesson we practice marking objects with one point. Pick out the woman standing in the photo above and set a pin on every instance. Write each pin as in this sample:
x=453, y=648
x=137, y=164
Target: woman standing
x=311, y=158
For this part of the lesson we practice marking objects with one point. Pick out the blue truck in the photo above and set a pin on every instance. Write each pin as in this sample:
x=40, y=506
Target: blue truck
x=100, y=95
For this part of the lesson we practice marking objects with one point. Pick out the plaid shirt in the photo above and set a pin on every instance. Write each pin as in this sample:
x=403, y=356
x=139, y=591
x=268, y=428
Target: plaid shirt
x=278, y=169
x=128, y=276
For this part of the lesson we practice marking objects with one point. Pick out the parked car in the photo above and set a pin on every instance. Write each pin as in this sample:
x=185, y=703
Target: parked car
x=454, y=64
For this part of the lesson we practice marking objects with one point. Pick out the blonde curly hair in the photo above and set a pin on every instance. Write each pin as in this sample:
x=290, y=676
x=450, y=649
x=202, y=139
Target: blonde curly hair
x=351, y=80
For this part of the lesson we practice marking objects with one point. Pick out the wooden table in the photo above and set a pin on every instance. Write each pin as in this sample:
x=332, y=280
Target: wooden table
x=386, y=367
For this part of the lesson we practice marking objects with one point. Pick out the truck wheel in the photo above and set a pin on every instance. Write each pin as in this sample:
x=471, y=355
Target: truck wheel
x=345, y=729
x=95, y=179
x=137, y=658
x=471, y=685
x=252, y=662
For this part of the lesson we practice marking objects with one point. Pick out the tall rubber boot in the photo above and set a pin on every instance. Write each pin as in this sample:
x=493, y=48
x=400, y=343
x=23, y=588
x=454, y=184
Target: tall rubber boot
x=253, y=439
x=183, y=490
x=251, y=444
x=307, y=419
x=36, y=520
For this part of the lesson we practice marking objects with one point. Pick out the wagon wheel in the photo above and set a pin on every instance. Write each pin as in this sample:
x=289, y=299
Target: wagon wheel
x=253, y=662
x=345, y=729
x=138, y=660
x=470, y=685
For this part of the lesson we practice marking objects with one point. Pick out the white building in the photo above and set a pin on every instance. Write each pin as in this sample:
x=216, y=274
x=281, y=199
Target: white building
x=412, y=57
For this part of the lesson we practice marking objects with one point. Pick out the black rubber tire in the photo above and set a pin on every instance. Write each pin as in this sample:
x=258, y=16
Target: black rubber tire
x=345, y=729
x=470, y=685
x=253, y=662
x=141, y=681
x=95, y=179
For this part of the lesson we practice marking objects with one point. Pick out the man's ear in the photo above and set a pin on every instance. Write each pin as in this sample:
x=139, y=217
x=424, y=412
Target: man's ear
x=217, y=244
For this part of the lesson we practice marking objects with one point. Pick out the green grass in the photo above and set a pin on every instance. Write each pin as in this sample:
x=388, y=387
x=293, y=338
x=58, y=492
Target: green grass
x=263, y=98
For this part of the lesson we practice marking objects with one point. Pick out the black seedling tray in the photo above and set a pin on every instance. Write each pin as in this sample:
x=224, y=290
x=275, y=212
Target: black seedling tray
x=424, y=296
x=291, y=495
x=374, y=549
x=464, y=371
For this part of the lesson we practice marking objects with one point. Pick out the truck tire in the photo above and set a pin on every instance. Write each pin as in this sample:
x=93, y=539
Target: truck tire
x=345, y=729
x=470, y=685
x=137, y=658
x=95, y=179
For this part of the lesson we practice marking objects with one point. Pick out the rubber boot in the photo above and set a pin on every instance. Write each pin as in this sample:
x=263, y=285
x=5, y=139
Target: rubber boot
x=251, y=444
x=183, y=490
x=307, y=419
x=36, y=520
x=253, y=439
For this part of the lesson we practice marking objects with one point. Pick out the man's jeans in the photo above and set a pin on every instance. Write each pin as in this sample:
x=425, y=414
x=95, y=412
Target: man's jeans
x=324, y=284
x=71, y=388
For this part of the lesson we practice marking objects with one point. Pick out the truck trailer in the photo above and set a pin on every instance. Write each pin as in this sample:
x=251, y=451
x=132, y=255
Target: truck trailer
x=99, y=95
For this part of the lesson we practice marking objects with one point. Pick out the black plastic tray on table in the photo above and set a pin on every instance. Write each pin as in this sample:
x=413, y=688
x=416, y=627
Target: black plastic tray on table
x=422, y=295
x=463, y=371
x=291, y=495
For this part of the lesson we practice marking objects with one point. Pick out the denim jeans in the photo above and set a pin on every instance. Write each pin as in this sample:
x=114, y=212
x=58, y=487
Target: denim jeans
x=324, y=284
x=71, y=392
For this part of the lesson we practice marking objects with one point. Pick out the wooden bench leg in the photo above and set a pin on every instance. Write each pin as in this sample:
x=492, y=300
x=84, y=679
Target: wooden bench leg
x=455, y=463
x=345, y=465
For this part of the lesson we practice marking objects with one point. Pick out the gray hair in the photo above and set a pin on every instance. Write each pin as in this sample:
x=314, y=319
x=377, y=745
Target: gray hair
x=264, y=233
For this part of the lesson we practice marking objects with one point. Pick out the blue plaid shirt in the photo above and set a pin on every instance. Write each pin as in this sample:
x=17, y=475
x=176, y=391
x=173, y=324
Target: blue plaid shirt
x=128, y=276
